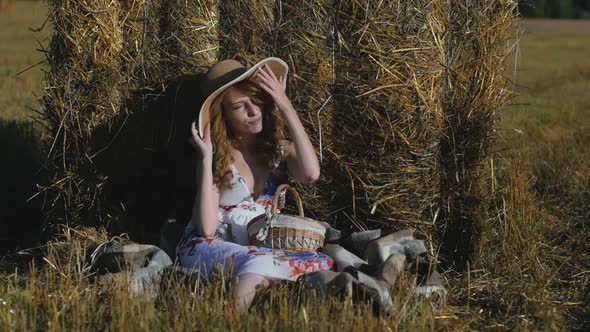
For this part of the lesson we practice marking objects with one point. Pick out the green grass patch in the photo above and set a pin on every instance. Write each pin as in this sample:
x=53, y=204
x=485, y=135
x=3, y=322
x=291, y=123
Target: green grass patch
x=18, y=51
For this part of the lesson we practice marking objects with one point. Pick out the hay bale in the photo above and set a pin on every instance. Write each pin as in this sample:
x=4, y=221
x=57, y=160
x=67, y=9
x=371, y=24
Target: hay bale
x=388, y=119
x=407, y=90
x=305, y=40
x=406, y=76
x=108, y=130
x=473, y=91
x=85, y=87
x=190, y=33
x=334, y=62
x=373, y=68
x=247, y=30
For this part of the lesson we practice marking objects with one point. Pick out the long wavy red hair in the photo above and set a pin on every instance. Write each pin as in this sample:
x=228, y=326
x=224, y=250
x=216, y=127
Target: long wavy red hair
x=269, y=139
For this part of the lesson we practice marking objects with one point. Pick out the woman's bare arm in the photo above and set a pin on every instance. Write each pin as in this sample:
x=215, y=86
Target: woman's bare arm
x=301, y=158
x=206, y=202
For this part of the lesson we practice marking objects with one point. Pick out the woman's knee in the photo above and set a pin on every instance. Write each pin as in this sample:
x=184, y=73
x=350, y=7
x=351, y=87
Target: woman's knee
x=253, y=280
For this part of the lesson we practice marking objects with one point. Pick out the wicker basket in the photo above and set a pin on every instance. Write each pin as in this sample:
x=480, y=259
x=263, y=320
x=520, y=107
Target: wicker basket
x=283, y=231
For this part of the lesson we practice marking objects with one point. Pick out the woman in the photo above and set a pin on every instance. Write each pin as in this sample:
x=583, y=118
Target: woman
x=242, y=158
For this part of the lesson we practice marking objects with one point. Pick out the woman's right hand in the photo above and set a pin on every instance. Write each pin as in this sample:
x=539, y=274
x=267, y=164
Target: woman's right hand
x=202, y=146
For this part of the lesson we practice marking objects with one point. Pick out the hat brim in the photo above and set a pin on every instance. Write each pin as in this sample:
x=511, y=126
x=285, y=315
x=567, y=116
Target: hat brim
x=278, y=67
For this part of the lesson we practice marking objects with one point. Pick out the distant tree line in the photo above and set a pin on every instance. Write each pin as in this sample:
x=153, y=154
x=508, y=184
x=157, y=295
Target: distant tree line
x=578, y=9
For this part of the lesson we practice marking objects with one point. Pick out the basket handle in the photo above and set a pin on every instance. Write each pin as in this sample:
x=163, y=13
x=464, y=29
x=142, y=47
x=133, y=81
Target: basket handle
x=295, y=194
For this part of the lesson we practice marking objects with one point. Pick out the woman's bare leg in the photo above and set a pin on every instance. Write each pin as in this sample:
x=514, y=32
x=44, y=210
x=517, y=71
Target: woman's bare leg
x=246, y=286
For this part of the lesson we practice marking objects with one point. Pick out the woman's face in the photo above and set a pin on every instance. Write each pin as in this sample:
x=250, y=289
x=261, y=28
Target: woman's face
x=242, y=113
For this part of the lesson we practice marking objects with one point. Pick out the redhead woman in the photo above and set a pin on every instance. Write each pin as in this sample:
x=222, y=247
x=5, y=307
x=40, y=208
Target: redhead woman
x=243, y=156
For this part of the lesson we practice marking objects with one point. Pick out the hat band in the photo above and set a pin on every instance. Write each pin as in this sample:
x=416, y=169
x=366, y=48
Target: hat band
x=213, y=85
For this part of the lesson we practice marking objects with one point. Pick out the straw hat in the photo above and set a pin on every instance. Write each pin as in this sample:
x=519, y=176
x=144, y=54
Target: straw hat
x=227, y=72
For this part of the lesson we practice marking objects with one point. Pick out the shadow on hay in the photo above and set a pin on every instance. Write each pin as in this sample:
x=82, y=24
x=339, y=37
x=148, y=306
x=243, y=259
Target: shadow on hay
x=461, y=150
x=149, y=164
x=21, y=219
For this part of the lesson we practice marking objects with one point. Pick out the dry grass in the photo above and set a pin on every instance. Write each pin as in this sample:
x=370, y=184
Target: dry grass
x=53, y=294
x=531, y=257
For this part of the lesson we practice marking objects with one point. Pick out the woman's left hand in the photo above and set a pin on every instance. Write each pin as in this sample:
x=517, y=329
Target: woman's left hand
x=275, y=87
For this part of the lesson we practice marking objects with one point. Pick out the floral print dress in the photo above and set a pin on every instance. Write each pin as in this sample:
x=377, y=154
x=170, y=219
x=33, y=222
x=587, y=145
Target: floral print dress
x=228, y=251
